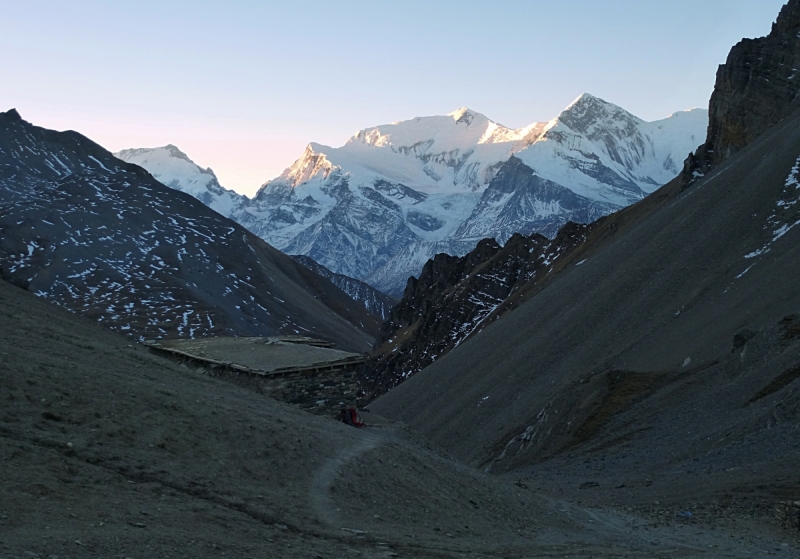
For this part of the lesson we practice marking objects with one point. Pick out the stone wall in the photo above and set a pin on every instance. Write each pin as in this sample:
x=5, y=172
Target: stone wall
x=788, y=514
x=322, y=388
x=322, y=392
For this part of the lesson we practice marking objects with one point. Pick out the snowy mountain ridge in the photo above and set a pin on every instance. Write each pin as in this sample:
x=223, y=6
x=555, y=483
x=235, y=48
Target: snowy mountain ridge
x=378, y=207
x=170, y=166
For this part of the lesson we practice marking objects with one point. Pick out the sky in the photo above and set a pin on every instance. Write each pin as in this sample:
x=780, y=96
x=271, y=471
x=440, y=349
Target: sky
x=243, y=86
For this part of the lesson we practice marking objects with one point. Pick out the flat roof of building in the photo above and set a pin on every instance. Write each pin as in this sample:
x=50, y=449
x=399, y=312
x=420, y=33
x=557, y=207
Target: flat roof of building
x=272, y=355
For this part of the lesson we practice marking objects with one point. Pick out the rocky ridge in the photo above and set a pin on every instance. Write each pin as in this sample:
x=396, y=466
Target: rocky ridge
x=457, y=297
x=755, y=89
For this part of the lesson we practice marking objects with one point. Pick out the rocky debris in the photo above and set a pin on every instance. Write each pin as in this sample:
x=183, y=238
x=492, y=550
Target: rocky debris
x=788, y=514
x=374, y=301
x=455, y=298
x=756, y=88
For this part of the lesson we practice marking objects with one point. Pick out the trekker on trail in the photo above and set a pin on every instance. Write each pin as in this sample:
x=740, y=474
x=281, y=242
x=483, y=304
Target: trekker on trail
x=350, y=416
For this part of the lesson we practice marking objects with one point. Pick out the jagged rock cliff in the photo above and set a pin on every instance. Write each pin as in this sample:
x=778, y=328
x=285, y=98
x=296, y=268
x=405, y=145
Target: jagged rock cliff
x=758, y=86
x=455, y=298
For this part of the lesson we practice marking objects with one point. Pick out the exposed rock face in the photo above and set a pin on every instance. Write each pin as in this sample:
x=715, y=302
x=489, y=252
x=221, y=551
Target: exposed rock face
x=455, y=298
x=756, y=87
x=374, y=301
x=519, y=200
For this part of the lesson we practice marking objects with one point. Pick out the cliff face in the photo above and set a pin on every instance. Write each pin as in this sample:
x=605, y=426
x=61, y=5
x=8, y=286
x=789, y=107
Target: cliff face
x=758, y=86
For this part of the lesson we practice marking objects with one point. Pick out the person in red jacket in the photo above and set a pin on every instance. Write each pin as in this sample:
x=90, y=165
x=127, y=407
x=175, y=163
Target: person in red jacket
x=350, y=416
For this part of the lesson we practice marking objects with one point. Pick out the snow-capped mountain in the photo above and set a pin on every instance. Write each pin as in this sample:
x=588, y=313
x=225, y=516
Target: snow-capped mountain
x=393, y=196
x=172, y=167
x=377, y=208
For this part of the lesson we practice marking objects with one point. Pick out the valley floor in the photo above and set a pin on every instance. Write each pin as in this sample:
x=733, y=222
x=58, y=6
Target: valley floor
x=107, y=450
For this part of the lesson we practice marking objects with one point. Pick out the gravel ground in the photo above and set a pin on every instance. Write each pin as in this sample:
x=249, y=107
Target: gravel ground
x=107, y=450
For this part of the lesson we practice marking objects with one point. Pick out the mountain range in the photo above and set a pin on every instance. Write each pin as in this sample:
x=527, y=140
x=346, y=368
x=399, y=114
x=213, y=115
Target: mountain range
x=377, y=208
x=628, y=387
x=456, y=298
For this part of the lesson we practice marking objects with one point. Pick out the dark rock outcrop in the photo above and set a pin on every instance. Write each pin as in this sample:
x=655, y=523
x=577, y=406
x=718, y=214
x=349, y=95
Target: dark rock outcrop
x=455, y=298
x=756, y=88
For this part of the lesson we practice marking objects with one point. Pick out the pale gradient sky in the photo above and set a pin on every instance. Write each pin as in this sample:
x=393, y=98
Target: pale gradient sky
x=243, y=86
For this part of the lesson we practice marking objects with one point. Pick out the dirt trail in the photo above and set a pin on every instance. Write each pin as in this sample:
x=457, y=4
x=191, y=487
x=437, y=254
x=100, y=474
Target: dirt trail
x=109, y=451
x=324, y=478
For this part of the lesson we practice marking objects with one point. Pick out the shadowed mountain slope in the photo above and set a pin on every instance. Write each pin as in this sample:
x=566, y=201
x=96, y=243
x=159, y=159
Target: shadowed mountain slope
x=669, y=294
x=673, y=349
x=107, y=450
x=103, y=238
x=455, y=298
